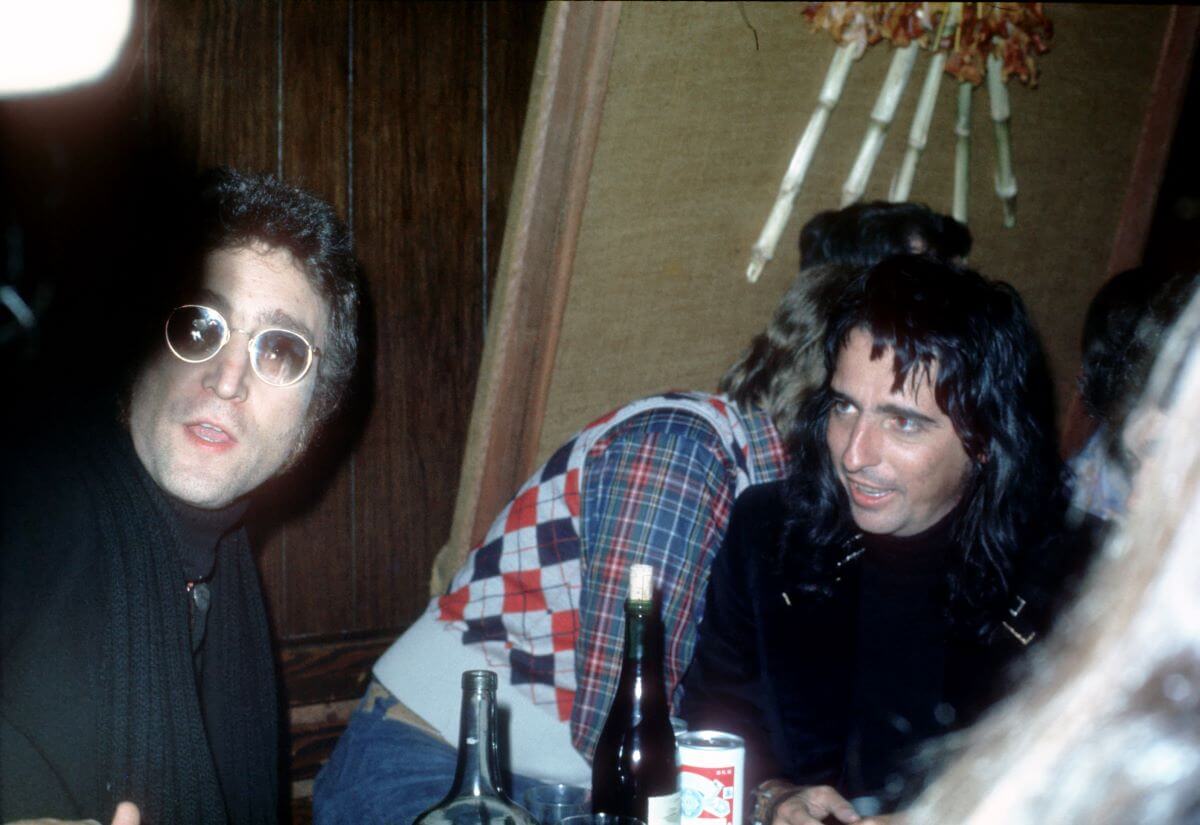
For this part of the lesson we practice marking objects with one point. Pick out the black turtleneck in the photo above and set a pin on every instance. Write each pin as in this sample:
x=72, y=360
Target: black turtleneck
x=900, y=653
x=199, y=531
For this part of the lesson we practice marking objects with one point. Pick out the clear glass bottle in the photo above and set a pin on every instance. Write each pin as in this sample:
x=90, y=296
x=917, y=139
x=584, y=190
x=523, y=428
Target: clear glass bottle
x=476, y=797
x=635, y=770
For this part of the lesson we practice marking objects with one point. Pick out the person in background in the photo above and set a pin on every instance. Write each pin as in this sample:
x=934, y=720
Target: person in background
x=135, y=660
x=1125, y=324
x=862, y=234
x=1106, y=724
x=540, y=599
x=870, y=600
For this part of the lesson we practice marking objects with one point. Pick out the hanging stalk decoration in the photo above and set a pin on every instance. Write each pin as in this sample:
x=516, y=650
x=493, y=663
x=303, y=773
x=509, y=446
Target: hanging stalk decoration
x=962, y=152
x=992, y=42
x=831, y=92
x=881, y=118
x=918, y=134
x=1005, y=180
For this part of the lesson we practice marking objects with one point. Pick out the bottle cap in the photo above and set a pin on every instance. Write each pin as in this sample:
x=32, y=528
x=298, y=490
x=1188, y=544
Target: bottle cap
x=479, y=680
x=641, y=582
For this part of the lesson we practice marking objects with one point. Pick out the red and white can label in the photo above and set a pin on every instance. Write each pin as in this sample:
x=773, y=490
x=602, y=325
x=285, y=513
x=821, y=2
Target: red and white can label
x=707, y=795
x=710, y=778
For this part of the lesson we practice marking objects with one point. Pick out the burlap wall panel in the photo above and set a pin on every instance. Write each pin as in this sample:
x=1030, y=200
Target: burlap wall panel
x=698, y=129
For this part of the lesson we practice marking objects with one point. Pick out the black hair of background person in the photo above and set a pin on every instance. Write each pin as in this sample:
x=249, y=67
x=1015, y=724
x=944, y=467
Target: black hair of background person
x=990, y=374
x=862, y=234
x=1128, y=332
x=1125, y=322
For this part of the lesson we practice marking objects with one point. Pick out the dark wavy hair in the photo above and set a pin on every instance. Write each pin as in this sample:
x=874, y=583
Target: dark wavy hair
x=863, y=234
x=240, y=208
x=783, y=364
x=992, y=382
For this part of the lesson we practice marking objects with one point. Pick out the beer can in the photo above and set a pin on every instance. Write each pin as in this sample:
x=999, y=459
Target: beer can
x=711, y=777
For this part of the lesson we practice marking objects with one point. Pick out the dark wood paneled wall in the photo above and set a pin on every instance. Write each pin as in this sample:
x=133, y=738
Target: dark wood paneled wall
x=407, y=117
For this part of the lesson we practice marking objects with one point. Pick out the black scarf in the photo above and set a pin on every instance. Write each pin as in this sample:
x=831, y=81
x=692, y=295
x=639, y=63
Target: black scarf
x=152, y=726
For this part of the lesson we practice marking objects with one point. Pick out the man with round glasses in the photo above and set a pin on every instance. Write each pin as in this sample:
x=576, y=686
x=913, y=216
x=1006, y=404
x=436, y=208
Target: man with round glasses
x=135, y=662
x=225, y=406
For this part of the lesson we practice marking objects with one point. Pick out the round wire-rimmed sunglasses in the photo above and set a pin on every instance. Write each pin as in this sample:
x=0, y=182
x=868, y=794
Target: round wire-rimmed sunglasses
x=279, y=357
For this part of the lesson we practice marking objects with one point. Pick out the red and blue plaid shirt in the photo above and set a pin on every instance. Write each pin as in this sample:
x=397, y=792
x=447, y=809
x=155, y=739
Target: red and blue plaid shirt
x=651, y=482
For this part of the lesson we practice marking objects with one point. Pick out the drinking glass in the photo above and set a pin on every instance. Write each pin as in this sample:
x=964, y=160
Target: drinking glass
x=601, y=819
x=552, y=804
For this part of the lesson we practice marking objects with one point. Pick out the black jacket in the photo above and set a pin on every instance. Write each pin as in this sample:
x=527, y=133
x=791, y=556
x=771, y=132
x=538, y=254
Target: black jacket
x=782, y=669
x=99, y=699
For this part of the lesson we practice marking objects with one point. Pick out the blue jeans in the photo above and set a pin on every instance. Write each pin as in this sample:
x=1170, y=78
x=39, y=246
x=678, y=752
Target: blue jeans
x=387, y=772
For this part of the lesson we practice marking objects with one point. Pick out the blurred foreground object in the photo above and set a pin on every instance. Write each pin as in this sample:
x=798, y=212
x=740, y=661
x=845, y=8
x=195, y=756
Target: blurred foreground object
x=53, y=45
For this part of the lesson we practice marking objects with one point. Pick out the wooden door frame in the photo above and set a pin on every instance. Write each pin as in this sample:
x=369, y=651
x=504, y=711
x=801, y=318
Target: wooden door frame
x=1167, y=94
x=562, y=126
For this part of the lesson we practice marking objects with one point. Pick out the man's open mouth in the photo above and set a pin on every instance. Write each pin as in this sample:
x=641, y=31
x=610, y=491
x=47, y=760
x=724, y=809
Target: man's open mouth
x=210, y=433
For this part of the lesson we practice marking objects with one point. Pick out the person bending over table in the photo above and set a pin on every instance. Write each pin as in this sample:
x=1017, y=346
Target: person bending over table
x=868, y=601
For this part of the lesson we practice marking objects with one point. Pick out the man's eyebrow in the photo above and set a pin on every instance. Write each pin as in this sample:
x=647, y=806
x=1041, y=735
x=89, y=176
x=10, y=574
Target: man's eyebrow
x=840, y=396
x=898, y=410
x=214, y=299
x=266, y=318
x=279, y=318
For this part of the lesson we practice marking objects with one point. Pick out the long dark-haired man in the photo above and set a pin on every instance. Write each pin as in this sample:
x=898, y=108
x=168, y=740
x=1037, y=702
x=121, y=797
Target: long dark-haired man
x=868, y=601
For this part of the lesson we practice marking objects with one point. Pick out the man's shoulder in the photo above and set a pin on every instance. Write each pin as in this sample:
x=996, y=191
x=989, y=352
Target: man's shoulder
x=51, y=482
x=59, y=450
x=764, y=500
x=677, y=409
x=709, y=422
x=49, y=529
x=758, y=517
x=38, y=474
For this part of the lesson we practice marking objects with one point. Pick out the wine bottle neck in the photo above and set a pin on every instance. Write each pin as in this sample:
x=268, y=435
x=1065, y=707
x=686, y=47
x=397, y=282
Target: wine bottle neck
x=639, y=640
x=478, y=769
